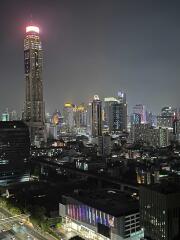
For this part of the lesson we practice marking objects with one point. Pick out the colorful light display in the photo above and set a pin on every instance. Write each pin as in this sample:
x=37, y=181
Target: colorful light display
x=89, y=215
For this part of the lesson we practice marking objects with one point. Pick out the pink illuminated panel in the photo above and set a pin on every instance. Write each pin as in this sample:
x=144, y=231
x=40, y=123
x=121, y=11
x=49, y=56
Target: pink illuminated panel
x=32, y=29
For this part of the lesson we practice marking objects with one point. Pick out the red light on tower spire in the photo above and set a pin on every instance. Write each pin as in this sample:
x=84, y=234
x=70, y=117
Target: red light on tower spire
x=32, y=29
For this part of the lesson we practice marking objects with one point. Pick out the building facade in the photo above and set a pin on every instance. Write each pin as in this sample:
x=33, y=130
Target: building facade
x=96, y=114
x=108, y=101
x=102, y=215
x=118, y=117
x=141, y=110
x=34, y=113
x=68, y=113
x=14, y=152
x=145, y=133
x=160, y=211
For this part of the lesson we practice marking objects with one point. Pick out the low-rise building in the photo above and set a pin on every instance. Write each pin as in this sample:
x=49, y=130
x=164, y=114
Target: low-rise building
x=106, y=214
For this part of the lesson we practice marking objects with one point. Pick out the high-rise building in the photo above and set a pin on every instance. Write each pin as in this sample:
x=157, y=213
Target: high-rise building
x=89, y=119
x=121, y=97
x=96, y=117
x=115, y=113
x=34, y=114
x=80, y=116
x=14, y=152
x=141, y=110
x=104, y=145
x=160, y=211
x=135, y=118
x=145, y=133
x=176, y=129
x=166, y=119
x=5, y=117
x=118, y=117
x=108, y=101
x=68, y=113
x=168, y=111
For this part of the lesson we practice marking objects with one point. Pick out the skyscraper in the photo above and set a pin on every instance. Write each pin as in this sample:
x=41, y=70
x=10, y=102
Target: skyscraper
x=118, y=114
x=167, y=117
x=118, y=117
x=108, y=101
x=68, y=113
x=96, y=117
x=34, y=114
x=141, y=110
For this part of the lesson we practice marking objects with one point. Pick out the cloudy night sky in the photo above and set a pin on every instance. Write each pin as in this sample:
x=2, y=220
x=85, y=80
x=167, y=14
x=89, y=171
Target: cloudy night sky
x=94, y=47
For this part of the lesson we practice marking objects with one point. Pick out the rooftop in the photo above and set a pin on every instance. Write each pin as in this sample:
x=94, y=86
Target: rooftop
x=165, y=187
x=112, y=202
x=12, y=124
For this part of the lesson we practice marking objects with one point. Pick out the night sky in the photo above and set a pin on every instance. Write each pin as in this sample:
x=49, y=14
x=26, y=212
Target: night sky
x=94, y=47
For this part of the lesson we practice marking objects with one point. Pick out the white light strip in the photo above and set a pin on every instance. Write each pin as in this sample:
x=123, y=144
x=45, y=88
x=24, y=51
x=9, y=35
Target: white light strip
x=32, y=29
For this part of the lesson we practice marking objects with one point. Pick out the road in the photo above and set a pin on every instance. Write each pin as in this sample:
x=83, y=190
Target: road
x=14, y=230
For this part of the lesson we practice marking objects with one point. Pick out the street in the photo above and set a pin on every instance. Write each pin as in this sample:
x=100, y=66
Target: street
x=12, y=228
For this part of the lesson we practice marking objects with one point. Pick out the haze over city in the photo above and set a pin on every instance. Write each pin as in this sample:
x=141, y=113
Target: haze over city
x=89, y=120
x=94, y=47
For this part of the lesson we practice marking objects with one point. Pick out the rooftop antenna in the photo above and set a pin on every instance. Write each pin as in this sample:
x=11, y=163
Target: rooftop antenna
x=31, y=21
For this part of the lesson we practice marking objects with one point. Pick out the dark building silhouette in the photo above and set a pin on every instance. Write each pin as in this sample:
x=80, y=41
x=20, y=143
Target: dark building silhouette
x=160, y=211
x=118, y=117
x=96, y=117
x=14, y=152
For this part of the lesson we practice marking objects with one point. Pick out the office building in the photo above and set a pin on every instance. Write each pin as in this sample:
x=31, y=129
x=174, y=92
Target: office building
x=167, y=117
x=14, y=152
x=34, y=113
x=135, y=118
x=118, y=117
x=139, y=133
x=68, y=113
x=108, y=101
x=141, y=110
x=168, y=111
x=121, y=97
x=103, y=214
x=176, y=129
x=80, y=116
x=165, y=121
x=159, y=137
x=160, y=211
x=96, y=122
x=5, y=117
x=104, y=145
x=145, y=133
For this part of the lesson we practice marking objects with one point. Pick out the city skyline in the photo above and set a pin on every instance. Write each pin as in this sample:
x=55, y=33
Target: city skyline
x=100, y=55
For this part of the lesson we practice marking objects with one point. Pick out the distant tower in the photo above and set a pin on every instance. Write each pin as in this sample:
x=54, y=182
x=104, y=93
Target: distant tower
x=96, y=117
x=118, y=114
x=141, y=110
x=68, y=113
x=34, y=114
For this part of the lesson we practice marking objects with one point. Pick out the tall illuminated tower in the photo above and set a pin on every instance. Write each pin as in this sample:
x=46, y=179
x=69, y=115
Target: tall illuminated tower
x=34, y=114
x=96, y=117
